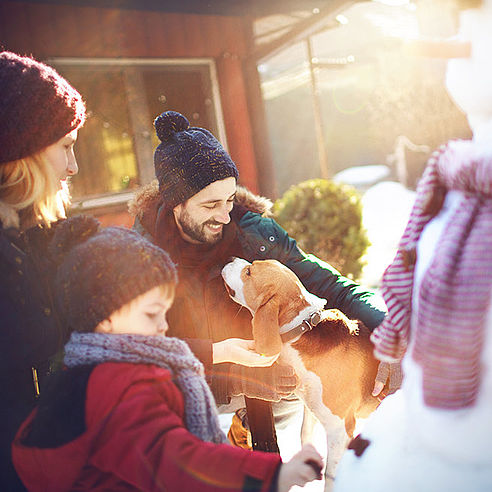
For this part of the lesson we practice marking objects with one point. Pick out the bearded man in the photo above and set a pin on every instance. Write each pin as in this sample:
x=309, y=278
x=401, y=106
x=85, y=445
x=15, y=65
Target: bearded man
x=196, y=212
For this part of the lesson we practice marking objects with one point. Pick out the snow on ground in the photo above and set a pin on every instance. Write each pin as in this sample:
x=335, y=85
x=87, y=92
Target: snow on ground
x=386, y=207
x=363, y=177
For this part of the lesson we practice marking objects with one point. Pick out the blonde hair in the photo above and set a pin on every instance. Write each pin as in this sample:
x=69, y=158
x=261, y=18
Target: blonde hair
x=30, y=192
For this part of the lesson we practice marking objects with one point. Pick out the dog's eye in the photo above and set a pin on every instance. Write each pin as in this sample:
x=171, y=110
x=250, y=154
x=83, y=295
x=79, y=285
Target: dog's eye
x=248, y=271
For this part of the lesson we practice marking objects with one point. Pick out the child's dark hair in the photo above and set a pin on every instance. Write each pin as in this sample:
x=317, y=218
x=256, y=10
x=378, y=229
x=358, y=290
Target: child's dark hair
x=101, y=270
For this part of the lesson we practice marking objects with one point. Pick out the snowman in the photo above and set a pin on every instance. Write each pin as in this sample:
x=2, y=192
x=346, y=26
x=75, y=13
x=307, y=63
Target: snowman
x=435, y=433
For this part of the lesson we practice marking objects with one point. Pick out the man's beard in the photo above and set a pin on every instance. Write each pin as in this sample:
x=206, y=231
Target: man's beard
x=199, y=232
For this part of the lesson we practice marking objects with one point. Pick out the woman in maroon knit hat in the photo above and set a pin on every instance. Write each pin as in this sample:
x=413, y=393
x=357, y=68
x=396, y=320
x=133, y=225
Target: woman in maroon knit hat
x=40, y=113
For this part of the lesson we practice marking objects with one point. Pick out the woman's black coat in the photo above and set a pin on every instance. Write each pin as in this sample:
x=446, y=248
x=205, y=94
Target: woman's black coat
x=29, y=333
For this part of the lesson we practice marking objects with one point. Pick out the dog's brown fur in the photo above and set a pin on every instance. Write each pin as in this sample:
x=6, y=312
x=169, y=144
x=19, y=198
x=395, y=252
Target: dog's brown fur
x=339, y=351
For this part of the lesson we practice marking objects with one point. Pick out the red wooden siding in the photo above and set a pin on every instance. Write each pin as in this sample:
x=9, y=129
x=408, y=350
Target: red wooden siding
x=49, y=30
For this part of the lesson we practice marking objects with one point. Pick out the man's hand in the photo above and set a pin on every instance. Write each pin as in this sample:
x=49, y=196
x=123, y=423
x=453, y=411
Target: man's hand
x=389, y=377
x=264, y=383
x=285, y=380
x=240, y=351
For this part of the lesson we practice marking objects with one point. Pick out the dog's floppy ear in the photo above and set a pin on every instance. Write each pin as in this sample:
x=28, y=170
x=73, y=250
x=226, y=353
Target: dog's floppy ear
x=265, y=328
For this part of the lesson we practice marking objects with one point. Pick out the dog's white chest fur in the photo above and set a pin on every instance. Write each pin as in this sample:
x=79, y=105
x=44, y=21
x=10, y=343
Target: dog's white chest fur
x=310, y=389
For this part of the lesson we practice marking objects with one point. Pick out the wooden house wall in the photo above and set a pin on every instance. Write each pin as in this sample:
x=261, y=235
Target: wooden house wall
x=51, y=30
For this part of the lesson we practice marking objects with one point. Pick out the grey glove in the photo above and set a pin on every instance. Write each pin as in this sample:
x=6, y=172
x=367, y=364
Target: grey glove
x=388, y=379
x=264, y=383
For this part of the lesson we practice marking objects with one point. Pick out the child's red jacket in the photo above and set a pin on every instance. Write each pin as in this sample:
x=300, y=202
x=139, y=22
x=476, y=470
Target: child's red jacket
x=135, y=439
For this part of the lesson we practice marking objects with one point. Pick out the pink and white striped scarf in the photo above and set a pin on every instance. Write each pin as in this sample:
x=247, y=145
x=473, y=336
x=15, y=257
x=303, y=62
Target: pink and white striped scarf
x=454, y=294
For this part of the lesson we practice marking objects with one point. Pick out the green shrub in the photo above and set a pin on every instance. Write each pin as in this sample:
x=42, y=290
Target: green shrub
x=325, y=218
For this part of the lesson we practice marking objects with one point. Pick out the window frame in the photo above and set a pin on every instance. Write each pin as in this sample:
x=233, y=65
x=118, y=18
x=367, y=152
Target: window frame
x=144, y=165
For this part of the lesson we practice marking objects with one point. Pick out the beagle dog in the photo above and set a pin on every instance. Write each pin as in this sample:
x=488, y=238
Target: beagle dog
x=331, y=354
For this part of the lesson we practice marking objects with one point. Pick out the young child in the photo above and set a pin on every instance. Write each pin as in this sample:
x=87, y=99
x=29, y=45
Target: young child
x=132, y=410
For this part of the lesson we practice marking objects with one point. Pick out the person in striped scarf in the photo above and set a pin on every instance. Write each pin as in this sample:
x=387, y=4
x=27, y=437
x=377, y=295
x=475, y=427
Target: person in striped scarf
x=434, y=434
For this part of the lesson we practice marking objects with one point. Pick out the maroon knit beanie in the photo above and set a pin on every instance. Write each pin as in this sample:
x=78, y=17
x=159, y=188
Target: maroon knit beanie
x=37, y=107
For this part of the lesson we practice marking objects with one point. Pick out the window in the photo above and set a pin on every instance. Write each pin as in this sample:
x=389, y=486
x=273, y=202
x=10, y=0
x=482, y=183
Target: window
x=115, y=148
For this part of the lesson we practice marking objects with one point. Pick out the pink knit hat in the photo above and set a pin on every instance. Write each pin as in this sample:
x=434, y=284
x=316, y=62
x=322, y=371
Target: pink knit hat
x=37, y=106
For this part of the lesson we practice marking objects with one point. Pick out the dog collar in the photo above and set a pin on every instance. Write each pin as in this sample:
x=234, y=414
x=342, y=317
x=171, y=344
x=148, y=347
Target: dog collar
x=306, y=325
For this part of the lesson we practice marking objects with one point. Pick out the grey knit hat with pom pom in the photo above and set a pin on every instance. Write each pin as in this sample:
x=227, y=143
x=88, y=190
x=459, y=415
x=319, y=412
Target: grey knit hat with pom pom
x=188, y=159
x=101, y=270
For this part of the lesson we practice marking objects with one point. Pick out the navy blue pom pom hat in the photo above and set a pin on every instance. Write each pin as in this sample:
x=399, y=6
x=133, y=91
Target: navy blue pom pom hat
x=188, y=159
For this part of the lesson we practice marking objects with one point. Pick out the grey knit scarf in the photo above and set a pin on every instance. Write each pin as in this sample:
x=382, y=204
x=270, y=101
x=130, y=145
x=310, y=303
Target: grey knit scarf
x=169, y=353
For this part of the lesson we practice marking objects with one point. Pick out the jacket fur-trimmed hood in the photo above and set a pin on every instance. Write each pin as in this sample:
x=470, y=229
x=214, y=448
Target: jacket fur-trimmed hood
x=147, y=200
